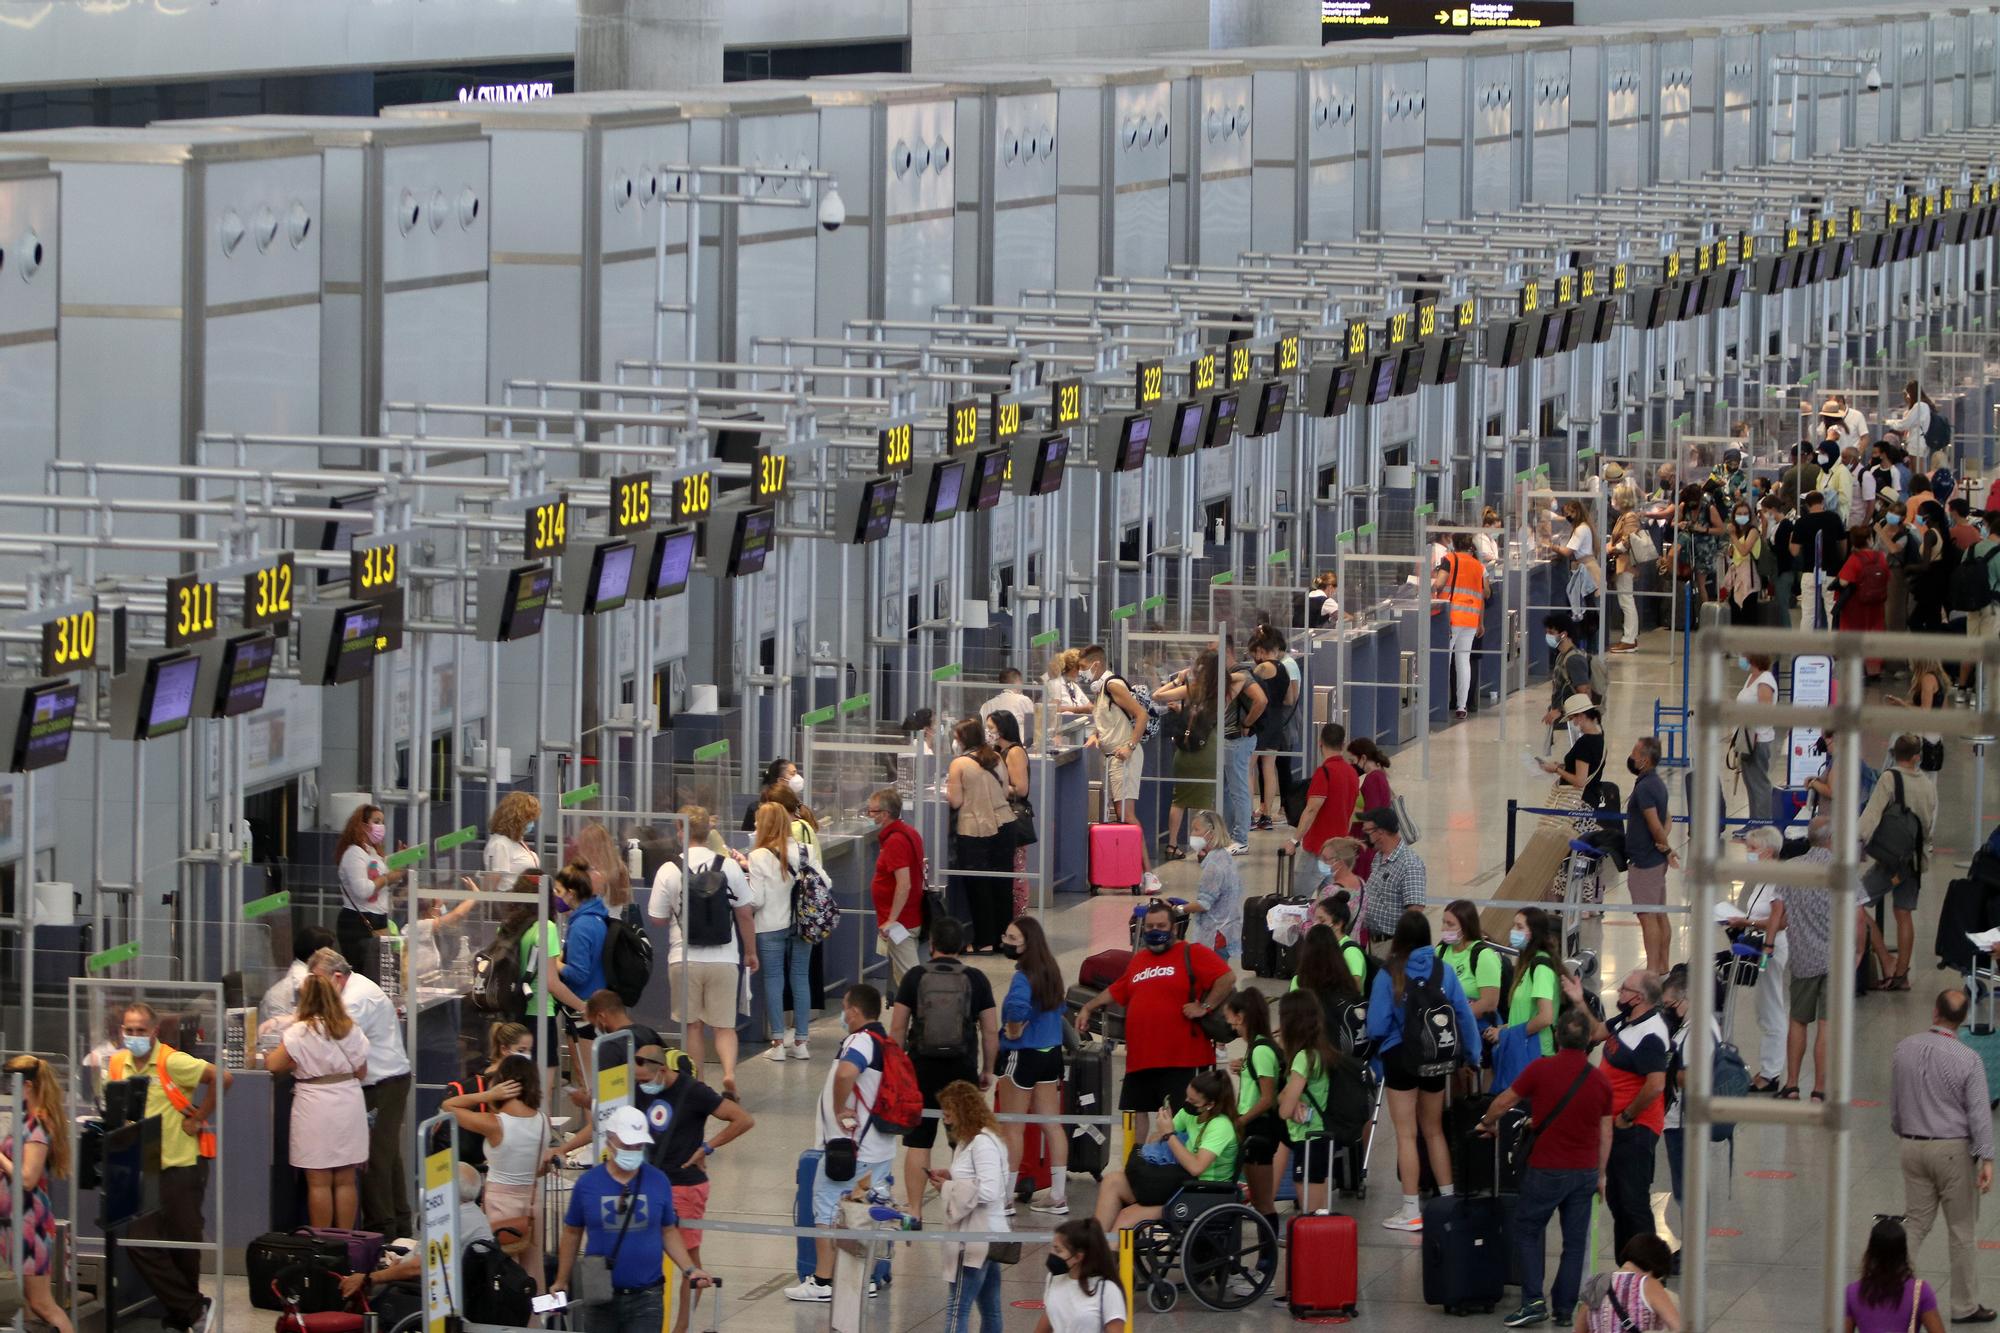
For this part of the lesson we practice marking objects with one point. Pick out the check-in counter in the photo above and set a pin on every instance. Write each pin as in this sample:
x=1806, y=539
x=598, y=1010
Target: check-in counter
x=1062, y=820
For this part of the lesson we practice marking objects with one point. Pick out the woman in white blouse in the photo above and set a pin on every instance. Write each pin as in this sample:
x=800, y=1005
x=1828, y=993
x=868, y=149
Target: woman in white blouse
x=365, y=881
x=1914, y=424
x=508, y=856
x=975, y=1192
x=781, y=955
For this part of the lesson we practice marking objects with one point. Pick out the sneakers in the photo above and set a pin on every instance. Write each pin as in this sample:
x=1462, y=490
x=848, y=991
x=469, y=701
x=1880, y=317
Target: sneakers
x=1534, y=1312
x=1624, y=648
x=1239, y=849
x=779, y=1052
x=1242, y=1285
x=1262, y=822
x=811, y=1289
x=1010, y=1204
x=1459, y=714
x=1404, y=1221
x=1150, y=882
x=799, y=1051
x=1045, y=1202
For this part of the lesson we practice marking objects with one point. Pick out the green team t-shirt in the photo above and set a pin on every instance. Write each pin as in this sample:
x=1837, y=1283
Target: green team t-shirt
x=1539, y=984
x=1307, y=1067
x=1474, y=976
x=1357, y=962
x=539, y=1002
x=1218, y=1136
x=1261, y=1063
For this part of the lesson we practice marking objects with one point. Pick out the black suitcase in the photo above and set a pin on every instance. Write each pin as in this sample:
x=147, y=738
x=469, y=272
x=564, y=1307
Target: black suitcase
x=276, y=1251
x=1108, y=1022
x=1087, y=1091
x=1465, y=1253
x=1257, y=944
x=1969, y=905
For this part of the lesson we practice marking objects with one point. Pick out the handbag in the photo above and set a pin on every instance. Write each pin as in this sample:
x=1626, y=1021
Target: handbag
x=1640, y=547
x=1213, y=1024
x=1004, y=1251
x=1023, y=827
x=590, y=1284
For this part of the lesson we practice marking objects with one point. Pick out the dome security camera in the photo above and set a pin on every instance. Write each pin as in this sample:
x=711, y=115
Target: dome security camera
x=1874, y=80
x=832, y=212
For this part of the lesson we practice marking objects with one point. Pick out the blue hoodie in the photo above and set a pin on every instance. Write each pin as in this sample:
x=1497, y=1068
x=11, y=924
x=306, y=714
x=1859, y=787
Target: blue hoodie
x=1385, y=1014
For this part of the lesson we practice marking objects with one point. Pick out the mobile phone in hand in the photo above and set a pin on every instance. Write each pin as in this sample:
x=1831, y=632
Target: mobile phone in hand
x=555, y=1300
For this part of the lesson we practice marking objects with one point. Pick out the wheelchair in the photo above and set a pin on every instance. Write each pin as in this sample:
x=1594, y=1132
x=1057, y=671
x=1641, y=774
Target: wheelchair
x=1211, y=1238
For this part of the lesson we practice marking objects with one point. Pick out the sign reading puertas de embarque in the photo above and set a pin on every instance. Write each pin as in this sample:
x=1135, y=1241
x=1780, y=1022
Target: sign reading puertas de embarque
x=1346, y=19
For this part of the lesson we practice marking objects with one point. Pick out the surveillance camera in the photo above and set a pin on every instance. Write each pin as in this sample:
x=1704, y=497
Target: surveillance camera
x=1874, y=79
x=832, y=212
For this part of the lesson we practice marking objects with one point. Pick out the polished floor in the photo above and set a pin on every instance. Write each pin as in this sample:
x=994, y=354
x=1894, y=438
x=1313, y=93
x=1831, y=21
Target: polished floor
x=1770, y=1211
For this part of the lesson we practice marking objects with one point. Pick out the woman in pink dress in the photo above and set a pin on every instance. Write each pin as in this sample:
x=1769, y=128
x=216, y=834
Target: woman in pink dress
x=327, y=1056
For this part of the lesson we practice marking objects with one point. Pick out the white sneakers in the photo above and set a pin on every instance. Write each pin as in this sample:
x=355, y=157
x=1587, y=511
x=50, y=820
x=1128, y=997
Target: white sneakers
x=1407, y=1219
x=782, y=1051
x=810, y=1290
x=1045, y=1202
x=1150, y=882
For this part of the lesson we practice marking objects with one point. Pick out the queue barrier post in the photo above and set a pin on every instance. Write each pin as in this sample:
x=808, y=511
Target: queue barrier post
x=1125, y=1265
x=1513, y=807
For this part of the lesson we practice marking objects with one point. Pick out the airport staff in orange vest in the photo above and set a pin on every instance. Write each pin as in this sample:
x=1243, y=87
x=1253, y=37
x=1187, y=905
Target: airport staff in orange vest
x=1459, y=583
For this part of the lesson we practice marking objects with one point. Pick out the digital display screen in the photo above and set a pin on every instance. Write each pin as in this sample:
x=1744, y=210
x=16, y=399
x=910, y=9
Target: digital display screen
x=1548, y=334
x=1381, y=379
x=1801, y=268
x=1221, y=422
x=1133, y=436
x=947, y=484
x=751, y=542
x=1906, y=244
x=610, y=577
x=246, y=674
x=1187, y=428
x=1877, y=252
x=1446, y=357
x=1961, y=228
x=1739, y=278
x=1270, y=408
x=1051, y=455
x=356, y=628
x=527, y=602
x=1783, y=272
x=168, y=700
x=1604, y=321
x=1936, y=241
x=1690, y=298
x=1819, y=259
x=673, y=558
x=992, y=476
x=1574, y=324
x=1409, y=370
x=1506, y=346
x=1986, y=221
x=48, y=718
x=878, y=508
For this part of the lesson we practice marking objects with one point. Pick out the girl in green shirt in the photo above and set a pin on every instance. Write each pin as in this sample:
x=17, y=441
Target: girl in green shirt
x=1531, y=1004
x=1321, y=1084
x=1476, y=962
x=1202, y=1138
x=1257, y=1072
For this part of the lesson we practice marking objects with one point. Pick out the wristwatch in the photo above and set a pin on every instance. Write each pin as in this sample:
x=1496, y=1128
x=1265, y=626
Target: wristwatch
x=707, y=1149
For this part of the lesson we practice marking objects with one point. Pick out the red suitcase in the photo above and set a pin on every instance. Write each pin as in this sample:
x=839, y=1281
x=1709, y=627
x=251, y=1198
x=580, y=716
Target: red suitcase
x=1116, y=859
x=1321, y=1266
x=1101, y=969
x=1034, y=1172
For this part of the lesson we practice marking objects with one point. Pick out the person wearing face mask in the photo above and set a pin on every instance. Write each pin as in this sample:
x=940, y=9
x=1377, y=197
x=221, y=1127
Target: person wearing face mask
x=896, y=886
x=1862, y=600
x=944, y=1016
x=853, y=1084
x=508, y=1119
x=281, y=999
x=509, y=833
x=704, y=978
x=1030, y=1073
x=1569, y=638
x=976, y=787
x=1462, y=943
x=1750, y=746
x=1836, y=477
x=365, y=881
x=1331, y=798
x=1004, y=735
x=577, y=972
x=1012, y=701
x=1647, y=849
x=1748, y=568
x=1374, y=793
x=975, y=1192
x=385, y=1089
x=1764, y=843
x=1398, y=880
x=1198, y=1142
x=1166, y=992
x=326, y=1055
x=1216, y=917
x=1774, y=521
x=1818, y=546
x=1530, y=1002
x=622, y=1211
x=1637, y=1050
x=678, y=1107
x=1082, y=1294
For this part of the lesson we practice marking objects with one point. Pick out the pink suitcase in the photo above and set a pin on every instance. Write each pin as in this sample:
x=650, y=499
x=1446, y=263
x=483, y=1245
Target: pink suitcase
x=1115, y=860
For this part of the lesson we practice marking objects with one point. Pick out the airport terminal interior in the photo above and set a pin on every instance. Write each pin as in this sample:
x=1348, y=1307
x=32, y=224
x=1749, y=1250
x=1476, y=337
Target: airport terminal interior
x=561, y=561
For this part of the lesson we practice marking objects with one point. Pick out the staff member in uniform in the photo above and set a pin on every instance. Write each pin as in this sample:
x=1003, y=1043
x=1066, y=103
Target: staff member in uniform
x=365, y=882
x=1164, y=1006
x=1460, y=584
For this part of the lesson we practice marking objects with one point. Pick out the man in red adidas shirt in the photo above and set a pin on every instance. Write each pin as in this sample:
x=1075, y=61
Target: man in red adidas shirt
x=1166, y=990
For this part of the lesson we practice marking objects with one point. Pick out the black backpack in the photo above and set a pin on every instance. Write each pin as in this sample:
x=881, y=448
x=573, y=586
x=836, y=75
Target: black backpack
x=1971, y=586
x=1898, y=841
x=1430, y=1025
x=1347, y=1025
x=493, y=1288
x=710, y=915
x=1506, y=970
x=941, y=1025
x=1345, y=1114
x=501, y=982
x=628, y=960
x=1938, y=434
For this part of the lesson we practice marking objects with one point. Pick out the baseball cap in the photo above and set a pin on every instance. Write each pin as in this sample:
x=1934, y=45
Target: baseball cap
x=628, y=1125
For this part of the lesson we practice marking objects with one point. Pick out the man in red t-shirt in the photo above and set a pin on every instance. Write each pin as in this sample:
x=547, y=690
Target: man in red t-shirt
x=898, y=884
x=1330, y=803
x=1569, y=1102
x=1164, y=1043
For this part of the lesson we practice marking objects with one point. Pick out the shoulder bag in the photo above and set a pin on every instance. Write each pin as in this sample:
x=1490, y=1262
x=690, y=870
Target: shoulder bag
x=1524, y=1138
x=1023, y=828
x=1214, y=1024
x=590, y=1284
x=1625, y=1324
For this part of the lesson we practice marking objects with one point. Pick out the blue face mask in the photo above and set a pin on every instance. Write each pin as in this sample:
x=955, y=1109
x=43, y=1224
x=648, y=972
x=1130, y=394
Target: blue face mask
x=1893, y=519
x=138, y=1045
x=529, y=831
x=1743, y=662
x=653, y=1089
x=1549, y=639
x=1518, y=938
x=629, y=1159
x=1158, y=940
x=1917, y=522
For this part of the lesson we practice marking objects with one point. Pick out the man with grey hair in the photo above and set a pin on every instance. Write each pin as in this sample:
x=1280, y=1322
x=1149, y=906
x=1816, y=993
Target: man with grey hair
x=1938, y=1109
x=1753, y=913
x=1804, y=917
x=1637, y=1049
x=385, y=1185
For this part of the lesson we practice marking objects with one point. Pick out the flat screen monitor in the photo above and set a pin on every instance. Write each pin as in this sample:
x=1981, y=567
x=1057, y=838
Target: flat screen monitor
x=1051, y=456
x=1446, y=358
x=989, y=476
x=1936, y=237
x=1959, y=228
x=1409, y=370
x=947, y=485
x=245, y=674
x=524, y=602
x=1801, y=268
x=1188, y=418
x=876, y=510
x=1221, y=428
x=1549, y=333
x=1875, y=250
x=1271, y=399
x=1381, y=379
x=1987, y=216
x=610, y=577
x=1712, y=288
x=356, y=626
x=1786, y=275
x=1603, y=321
x=1738, y=279
x=1329, y=389
x=1690, y=299
x=48, y=718
x=750, y=541
x=167, y=701
x=1506, y=344
x=1906, y=244
x=1575, y=324
x=1650, y=306
x=1134, y=434
x=673, y=560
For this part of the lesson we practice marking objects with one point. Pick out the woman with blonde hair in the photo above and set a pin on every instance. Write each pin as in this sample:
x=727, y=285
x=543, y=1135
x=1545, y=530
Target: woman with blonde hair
x=781, y=957
x=44, y=1156
x=974, y=1191
x=1928, y=693
x=702, y=831
x=805, y=824
x=327, y=1057
x=596, y=848
x=508, y=855
x=1625, y=504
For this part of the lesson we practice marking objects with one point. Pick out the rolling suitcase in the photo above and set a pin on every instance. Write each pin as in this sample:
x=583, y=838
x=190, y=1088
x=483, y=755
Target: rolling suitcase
x=1465, y=1253
x=1034, y=1172
x=321, y=1263
x=1109, y=1022
x=1322, y=1259
x=1101, y=969
x=1116, y=857
x=1087, y=1091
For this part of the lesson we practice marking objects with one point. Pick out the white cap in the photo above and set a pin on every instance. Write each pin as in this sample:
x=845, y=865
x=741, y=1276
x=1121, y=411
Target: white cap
x=628, y=1125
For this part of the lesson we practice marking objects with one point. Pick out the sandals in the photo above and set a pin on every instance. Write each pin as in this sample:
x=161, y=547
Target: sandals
x=1763, y=1087
x=1789, y=1093
x=1900, y=981
x=1818, y=1096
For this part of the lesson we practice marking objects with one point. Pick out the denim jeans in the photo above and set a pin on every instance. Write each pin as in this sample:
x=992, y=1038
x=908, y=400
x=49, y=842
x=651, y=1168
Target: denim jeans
x=976, y=1288
x=1543, y=1194
x=638, y=1310
x=782, y=956
x=1236, y=755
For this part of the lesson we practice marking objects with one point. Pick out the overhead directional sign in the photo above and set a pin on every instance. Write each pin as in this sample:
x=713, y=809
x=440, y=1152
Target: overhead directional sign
x=1344, y=20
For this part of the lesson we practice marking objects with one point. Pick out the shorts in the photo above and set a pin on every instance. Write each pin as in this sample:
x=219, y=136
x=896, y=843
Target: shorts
x=1808, y=996
x=1261, y=1138
x=1647, y=884
x=1153, y=1184
x=1399, y=1077
x=1028, y=1069
x=576, y=1027
x=1875, y=885
x=1121, y=776
x=932, y=1077
x=710, y=991
x=1150, y=1089
x=827, y=1194
x=691, y=1205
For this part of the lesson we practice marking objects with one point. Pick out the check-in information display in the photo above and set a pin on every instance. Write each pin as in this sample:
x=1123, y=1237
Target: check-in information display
x=1342, y=20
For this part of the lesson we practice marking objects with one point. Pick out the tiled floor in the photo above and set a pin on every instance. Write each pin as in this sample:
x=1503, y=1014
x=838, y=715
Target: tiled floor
x=1770, y=1247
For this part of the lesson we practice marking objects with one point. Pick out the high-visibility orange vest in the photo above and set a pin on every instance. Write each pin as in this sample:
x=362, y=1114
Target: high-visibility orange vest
x=120, y=1068
x=1468, y=590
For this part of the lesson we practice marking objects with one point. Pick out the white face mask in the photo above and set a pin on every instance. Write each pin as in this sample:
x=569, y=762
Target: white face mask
x=797, y=783
x=1197, y=843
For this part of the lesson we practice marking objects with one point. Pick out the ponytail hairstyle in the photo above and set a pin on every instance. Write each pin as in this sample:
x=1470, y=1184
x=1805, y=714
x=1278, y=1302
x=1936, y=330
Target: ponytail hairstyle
x=1537, y=950
x=1249, y=1004
x=1321, y=965
x=1214, y=1084
x=44, y=1099
x=1413, y=932
x=1302, y=1031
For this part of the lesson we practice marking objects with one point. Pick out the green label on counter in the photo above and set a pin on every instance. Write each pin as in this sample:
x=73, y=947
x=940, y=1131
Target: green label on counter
x=1153, y=603
x=713, y=750
x=1124, y=612
x=457, y=838
x=1681, y=422
x=1045, y=638
x=855, y=705
x=266, y=905
x=1810, y=377
x=1425, y=509
x=1469, y=493
x=572, y=799
x=1278, y=557
x=1346, y=536
x=1586, y=453
x=945, y=673
x=1365, y=530
x=817, y=716
x=122, y=953
x=1639, y=436
x=409, y=856
x=1226, y=576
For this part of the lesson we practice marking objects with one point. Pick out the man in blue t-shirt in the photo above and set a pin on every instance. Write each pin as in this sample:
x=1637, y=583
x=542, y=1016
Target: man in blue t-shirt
x=627, y=1207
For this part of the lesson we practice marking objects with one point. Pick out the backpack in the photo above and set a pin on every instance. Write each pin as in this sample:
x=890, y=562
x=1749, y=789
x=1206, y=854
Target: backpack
x=941, y=1022
x=1506, y=968
x=1731, y=1078
x=501, y=982
x=1938, y=434
x=1154, y=711
x=899, y=1102
x=710, y=915
x=494, y=1289
x=1871, y=586
x=1197, y=725
x=1345, y=1114
x=1600, y=676
x=1971, y=587
x=628, y=960
x=1898, y=841
x=1347, y=1025
x=1943, y=483
x=1430, y=1027
x=815, y=911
